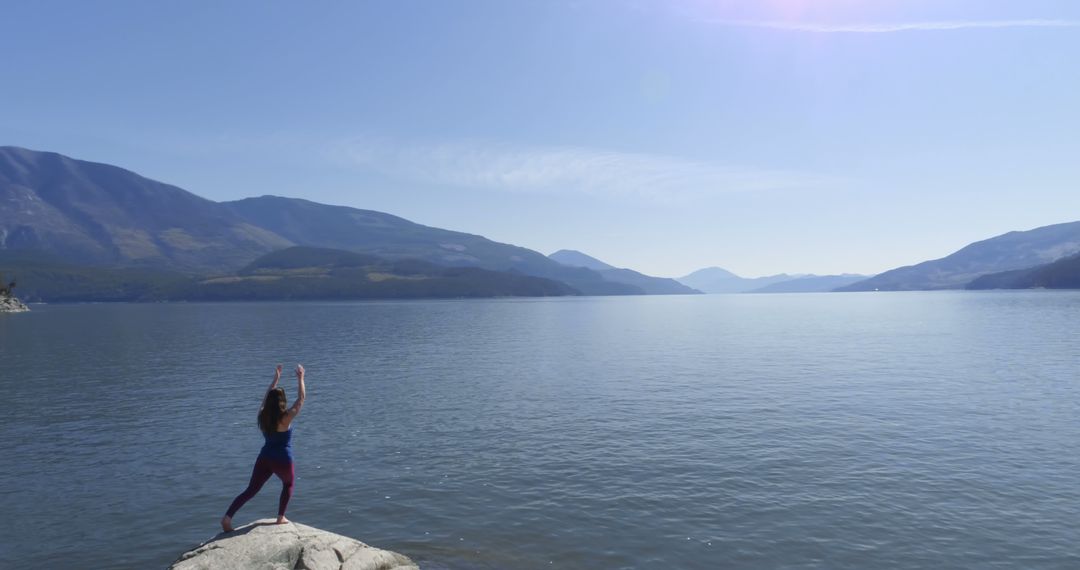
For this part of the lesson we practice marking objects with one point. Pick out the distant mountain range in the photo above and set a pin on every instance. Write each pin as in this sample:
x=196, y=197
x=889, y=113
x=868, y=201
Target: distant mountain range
x=106, y=233
x=96, y=215
x=650, y=285
x=1007, y=252
x=1041, y=257
x=718, y=280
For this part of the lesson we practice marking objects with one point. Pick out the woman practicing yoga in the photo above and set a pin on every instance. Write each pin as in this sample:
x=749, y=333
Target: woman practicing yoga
x=276, y=456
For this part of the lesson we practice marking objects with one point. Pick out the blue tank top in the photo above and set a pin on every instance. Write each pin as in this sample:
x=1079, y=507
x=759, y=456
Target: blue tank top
x=278, y=446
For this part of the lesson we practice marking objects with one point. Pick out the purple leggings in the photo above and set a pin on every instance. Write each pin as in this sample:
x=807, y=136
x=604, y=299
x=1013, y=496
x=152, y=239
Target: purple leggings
x=264, y=468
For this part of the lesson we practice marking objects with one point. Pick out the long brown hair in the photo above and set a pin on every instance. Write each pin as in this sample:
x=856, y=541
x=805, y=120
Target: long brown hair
x=273, y=409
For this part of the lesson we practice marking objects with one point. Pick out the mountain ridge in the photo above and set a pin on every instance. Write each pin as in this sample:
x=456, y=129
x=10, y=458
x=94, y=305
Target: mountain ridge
x=104, y=215
x=343, y=227
x=576, y=258
x=1005, y=252
x=100, y=213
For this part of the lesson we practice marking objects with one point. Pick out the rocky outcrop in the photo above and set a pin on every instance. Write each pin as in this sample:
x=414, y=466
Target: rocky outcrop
x=263, y=544
x=12, y=305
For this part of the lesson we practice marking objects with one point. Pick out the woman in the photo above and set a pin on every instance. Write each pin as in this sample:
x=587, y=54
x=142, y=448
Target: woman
x=275, y=421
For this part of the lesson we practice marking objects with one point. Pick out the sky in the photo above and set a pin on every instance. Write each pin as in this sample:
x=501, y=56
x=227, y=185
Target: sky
x=762, y=136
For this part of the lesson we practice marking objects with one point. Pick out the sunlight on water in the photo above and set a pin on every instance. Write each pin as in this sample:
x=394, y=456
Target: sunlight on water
x=796, y=431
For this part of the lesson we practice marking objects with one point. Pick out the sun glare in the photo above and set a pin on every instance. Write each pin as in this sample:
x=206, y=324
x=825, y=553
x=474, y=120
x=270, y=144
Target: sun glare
x=793, y=10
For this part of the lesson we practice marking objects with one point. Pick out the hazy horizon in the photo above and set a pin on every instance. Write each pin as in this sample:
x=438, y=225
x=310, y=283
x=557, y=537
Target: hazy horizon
x=783, y=136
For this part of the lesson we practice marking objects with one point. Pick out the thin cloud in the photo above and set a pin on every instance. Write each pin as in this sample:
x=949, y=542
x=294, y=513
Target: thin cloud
x=565, y=170
x=866, y=28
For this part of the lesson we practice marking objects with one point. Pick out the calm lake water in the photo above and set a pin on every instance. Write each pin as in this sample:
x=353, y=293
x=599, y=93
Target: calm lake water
x=890, y=430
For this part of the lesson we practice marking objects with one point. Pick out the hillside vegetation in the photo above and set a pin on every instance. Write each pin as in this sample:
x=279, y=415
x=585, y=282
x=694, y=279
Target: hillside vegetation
x=297, y=273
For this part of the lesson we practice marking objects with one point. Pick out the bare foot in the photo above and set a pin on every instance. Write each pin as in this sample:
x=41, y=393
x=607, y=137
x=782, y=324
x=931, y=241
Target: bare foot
x=226, y=524
x=282, y=520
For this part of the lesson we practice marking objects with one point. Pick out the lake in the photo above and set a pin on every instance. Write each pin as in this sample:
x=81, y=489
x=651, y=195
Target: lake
x=862, y=430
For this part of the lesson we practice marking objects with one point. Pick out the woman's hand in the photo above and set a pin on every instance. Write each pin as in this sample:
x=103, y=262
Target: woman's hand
x=299, y=372
x=277, y=372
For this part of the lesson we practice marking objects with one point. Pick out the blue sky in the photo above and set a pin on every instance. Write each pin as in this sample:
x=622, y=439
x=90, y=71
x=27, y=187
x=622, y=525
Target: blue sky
x=763, y=136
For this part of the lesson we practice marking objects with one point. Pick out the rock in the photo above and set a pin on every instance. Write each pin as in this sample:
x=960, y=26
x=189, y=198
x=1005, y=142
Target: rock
x=263, y=544
x=12, y=305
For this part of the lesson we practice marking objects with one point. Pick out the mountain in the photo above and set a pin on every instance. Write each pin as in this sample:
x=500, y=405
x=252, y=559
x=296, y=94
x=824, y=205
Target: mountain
x=1007, y=252
x=575, y=258
x=718, y=280
x=650, y=285
x=340, y=227
x=96, y=213
x=811, y=284
x=1061, y=274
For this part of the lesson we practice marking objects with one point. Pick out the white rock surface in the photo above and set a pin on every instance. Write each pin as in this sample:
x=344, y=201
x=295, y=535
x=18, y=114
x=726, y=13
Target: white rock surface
x=263, y=544
x=12, y=305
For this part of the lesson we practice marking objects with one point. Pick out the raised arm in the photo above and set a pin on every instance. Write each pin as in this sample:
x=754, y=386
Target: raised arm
x=277, y=376
x=301, y=393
